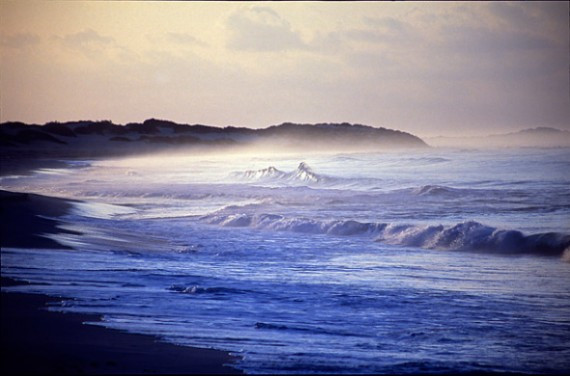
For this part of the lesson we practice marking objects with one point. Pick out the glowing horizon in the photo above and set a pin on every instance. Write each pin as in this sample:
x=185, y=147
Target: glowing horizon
x=424, y=68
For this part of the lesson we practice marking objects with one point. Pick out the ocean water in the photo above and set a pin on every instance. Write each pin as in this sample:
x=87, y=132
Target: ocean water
x=431, y=261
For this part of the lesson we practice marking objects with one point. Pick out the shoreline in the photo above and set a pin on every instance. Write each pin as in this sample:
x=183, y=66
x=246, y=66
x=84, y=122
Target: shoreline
x=38, y=341
x=27, y=218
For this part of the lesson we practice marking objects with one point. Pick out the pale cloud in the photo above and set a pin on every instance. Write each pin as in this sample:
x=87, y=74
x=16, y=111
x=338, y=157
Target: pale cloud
x=477, y=40
x=19, y=40
x=538, y=17
x=86, y=38
x=512, y=14
x=428, y=69
x=91, y=47
x=261, y=29
x=184, y=39
x=334, y=42
x=392, y=29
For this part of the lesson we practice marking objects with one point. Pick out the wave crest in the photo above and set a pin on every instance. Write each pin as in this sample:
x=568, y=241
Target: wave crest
x=265, y=173
x=430, y=190
x=467, y=236
x=303, y=174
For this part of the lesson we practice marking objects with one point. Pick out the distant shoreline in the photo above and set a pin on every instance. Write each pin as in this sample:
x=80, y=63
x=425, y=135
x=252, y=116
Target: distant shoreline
x=91, y=139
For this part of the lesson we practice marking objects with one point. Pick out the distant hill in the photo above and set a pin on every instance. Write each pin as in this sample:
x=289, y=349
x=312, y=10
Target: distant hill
x=532, y=137
x=100, y=138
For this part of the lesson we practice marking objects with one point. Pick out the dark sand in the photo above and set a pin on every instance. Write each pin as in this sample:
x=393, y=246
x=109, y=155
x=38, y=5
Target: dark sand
x=37, y=341
x=21, y=162
x=22, y=226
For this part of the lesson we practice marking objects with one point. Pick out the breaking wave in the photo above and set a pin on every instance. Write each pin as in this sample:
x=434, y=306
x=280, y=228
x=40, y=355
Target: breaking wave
x=196, y=290
x=443, y=191
x=429, y=190
x=303, y=174
x=265, y=173
x=429, y=160
x=464, y=236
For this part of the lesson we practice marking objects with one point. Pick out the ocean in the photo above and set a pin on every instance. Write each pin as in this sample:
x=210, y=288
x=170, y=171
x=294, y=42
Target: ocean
x=439, y=260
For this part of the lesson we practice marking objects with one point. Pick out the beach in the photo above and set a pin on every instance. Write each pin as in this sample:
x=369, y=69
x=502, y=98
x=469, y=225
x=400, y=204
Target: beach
x=38, y=341
x=423, y=262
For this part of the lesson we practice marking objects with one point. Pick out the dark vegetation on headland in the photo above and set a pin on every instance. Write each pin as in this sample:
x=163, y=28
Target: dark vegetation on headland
x=104, y=138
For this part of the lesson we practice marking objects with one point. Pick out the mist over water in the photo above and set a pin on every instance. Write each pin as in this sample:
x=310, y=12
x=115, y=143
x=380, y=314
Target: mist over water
x=439, y=260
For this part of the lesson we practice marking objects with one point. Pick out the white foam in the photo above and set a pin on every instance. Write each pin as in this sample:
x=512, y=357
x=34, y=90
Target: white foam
x=566, y=254
x=468, y=235
x=100, y=210
x=303, y=174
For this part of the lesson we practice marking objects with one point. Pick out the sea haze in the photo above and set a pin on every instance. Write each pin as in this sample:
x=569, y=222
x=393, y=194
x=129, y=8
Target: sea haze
x=424, y=260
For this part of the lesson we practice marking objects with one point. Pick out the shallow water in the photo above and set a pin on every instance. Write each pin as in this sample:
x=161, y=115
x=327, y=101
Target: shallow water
x=433, y=261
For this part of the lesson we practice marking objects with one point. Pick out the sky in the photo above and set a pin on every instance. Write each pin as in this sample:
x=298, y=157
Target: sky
x=429, y=68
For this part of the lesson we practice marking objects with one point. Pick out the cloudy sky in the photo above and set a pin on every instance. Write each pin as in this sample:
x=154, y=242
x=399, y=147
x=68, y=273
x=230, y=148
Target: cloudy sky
x=426, y=68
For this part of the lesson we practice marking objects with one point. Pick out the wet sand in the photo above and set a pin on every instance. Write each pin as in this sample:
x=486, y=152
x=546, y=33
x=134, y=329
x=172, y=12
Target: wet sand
x=24, y=222
x=38, y=341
